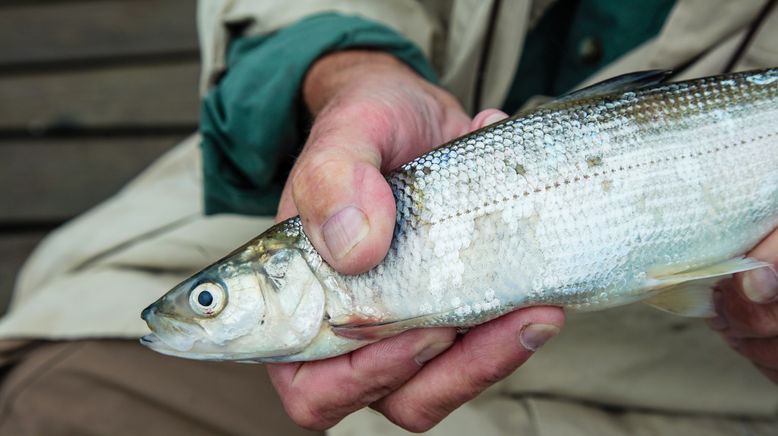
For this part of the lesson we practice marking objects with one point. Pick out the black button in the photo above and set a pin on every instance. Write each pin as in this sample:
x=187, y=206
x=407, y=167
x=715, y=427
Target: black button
x=590, y=50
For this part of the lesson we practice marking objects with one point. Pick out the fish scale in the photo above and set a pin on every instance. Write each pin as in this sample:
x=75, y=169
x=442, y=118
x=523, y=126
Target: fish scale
x=601, y=198
x=630, y=181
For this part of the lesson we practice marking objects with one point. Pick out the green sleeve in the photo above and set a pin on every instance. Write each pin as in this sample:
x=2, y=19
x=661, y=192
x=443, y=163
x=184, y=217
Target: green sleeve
x=253, y=122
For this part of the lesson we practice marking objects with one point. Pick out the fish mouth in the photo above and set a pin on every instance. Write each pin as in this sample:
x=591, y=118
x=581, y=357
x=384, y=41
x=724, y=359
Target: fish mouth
x=155, y=343
x=175, y=338
x=168, y=333
x=152, y=341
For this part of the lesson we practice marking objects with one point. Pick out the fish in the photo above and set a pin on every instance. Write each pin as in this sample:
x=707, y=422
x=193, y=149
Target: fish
x=635, y=189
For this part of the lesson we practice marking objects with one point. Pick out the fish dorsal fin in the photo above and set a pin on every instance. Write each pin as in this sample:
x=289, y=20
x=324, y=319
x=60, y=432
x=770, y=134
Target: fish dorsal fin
x=622, y=83
x=689, y=293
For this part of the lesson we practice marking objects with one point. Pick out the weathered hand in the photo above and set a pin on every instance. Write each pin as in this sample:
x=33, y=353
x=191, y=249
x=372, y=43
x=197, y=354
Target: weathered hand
x=372, y=113
x=748, y=311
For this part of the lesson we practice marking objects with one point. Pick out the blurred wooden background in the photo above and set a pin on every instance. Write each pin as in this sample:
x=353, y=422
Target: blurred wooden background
x=91, y=91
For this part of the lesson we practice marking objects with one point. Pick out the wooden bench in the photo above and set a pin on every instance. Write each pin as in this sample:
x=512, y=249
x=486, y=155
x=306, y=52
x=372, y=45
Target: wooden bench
x=90, y=93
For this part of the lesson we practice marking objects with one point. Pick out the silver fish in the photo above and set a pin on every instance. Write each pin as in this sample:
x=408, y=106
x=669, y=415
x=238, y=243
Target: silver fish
x=625, y=191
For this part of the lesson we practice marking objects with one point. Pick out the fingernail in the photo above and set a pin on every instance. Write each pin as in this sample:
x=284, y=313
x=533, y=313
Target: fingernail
x=534, y=336
x=431, y=351
x=493, y=118
x=344, y=230
x=760, y=285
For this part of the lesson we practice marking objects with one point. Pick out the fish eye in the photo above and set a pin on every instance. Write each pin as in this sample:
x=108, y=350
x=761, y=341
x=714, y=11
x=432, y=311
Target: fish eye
x=207, y=299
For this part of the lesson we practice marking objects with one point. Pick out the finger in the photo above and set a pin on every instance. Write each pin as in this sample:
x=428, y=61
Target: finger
x=739, y=317
x=345, y=204
x=483, y=356
x=771, y=374
x=318, y=394
x=286, y=207
x=337, y=185
x=743, y=304
x=487, y=117
x=762, y=351
x=761, y=285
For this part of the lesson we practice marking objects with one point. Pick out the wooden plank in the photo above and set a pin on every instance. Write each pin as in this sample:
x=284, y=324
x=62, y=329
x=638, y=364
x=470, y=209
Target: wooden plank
x=14, y=249
x=161, y=94
x=51, y=180
x=35, y=32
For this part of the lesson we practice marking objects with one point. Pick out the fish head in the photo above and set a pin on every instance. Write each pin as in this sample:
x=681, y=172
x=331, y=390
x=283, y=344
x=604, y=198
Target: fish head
x=261, y=301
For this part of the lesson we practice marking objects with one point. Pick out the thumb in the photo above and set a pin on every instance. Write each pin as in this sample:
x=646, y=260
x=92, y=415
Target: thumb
x=346, y=206
x=487, y=117
x=761, y=285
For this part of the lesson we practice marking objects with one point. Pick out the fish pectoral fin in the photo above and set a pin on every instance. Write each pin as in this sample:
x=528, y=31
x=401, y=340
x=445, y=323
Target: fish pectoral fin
x=382, y=329
x=690, y=293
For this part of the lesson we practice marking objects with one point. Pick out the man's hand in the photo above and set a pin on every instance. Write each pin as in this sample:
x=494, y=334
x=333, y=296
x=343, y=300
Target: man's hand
x=372, y=113
x=747, y=308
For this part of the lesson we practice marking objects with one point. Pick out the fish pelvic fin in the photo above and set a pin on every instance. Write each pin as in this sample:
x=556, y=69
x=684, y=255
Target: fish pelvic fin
x=690, y=293
x=693, y=299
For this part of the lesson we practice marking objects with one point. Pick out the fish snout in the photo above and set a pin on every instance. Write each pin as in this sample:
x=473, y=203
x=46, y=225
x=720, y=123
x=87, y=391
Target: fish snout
x=148, y=312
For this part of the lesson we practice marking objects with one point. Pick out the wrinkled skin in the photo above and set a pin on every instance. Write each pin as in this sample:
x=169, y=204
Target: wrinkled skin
x=372, y=113
x=748, y=311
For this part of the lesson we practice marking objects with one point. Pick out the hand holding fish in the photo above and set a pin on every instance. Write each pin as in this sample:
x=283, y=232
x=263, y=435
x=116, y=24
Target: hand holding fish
x=373, y=114
x=747, y=308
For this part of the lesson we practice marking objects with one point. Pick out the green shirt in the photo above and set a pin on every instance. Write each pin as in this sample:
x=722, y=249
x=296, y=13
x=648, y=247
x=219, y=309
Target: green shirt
x=576, y=38
x=253, y=122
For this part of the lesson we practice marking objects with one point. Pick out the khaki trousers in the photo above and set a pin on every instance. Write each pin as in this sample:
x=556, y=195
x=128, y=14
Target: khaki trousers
x=118, y=387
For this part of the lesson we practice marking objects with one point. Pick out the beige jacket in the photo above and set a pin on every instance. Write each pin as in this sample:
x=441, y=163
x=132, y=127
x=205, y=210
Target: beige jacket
x=452, y=33
x=92, y=277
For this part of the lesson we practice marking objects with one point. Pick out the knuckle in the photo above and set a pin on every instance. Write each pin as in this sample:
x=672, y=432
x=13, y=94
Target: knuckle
x=764, y=352
x=420, y=426
x=363, y=392
x=380, y=389
x=308, y=416
x=310, y=172
x=373, y=113
x=414, y=417
x=316, y=171
x=491, y=374
x=378, y=119
x=763, y=328
x=763, y=323
x=750, y=318
x=484, y=372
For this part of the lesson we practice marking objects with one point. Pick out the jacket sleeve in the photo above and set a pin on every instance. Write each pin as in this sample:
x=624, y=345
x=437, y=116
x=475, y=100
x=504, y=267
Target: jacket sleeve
x=253, y=119
x=218, y=21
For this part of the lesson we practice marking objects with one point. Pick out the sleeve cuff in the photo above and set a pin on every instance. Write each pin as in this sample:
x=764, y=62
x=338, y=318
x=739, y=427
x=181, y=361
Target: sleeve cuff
x=251, y=124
